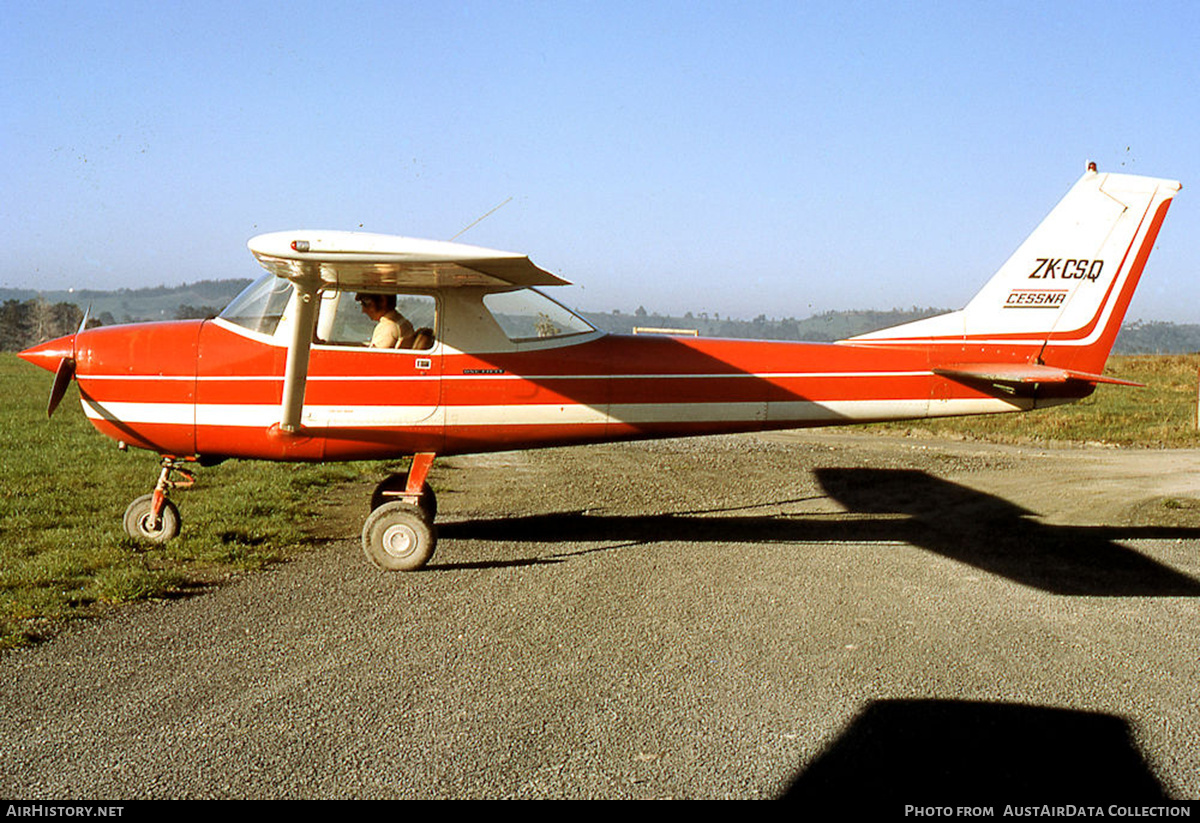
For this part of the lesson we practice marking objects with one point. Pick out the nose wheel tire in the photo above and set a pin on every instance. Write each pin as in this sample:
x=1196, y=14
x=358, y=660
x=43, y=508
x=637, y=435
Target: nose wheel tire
x=398, y=537
x=140, y=525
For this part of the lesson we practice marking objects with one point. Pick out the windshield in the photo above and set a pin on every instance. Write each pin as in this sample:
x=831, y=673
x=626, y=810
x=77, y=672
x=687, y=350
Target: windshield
x=526, y=314
x=260, y=305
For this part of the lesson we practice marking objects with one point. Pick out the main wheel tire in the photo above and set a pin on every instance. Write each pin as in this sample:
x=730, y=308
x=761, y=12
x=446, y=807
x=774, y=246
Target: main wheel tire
x=398, y=537
x=139, y=519
x=385, y=493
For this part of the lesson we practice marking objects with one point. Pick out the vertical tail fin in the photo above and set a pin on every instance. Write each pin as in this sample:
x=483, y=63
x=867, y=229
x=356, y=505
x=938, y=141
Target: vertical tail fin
x=1061, y=297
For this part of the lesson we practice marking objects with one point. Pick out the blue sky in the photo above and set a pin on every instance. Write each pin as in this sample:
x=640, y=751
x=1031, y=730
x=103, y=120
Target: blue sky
x=743, y=158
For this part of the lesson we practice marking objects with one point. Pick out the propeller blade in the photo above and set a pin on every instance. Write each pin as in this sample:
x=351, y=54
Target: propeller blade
x=66, y=365
x=62, y=379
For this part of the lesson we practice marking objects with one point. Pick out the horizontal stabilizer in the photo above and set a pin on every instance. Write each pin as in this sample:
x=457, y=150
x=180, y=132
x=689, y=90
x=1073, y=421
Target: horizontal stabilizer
x=1024, y=373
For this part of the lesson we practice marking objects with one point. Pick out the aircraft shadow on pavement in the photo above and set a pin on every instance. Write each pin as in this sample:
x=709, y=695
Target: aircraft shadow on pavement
x=934, y=752
x=957, y=522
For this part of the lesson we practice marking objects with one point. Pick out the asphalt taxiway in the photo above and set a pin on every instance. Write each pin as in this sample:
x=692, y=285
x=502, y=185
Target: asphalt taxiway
x=816, y=616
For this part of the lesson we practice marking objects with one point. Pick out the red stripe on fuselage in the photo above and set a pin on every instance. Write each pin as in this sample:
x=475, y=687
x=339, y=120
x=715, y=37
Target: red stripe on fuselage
x=612, y=387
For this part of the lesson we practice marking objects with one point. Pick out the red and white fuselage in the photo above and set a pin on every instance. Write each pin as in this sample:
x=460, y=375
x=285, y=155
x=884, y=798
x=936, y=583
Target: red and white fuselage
x=215, y=390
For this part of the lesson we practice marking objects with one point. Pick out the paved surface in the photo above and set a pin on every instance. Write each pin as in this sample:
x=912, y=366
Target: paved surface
x=814, y=616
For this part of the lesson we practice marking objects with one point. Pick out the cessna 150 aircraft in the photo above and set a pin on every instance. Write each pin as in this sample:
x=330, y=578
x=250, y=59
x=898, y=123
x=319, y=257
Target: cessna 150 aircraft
x=487, y=363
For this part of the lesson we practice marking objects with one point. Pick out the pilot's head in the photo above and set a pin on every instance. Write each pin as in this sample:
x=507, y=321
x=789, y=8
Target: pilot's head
x=376, y=306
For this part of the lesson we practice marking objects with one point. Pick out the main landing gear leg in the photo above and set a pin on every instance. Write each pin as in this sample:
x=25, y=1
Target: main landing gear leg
x=152, y=518
x=399, y=534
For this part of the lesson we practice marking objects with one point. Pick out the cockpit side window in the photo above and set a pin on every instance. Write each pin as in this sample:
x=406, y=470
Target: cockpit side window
x=343, y=322
x=527, y=314
x=260, y=306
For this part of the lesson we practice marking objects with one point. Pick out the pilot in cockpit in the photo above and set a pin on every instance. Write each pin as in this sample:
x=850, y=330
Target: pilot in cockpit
x=392, y=329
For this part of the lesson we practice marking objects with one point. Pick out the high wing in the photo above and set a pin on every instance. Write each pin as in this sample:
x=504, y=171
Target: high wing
x=362, y=261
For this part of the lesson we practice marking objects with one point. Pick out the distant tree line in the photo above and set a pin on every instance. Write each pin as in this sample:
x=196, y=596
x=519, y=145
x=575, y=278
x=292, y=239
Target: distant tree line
x=196, y=312
x=25, y=323
x=1136, y=337
x=1156, y=337
x=35, y=321
x=826, y=327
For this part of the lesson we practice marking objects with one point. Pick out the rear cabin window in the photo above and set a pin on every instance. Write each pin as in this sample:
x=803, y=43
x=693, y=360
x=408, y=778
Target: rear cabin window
x=526, y=314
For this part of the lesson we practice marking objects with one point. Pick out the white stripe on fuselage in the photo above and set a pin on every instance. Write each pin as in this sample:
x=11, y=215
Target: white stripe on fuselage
x=261, y=416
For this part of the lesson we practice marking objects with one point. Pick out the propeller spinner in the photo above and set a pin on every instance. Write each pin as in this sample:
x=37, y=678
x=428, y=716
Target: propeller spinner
x=61, y=350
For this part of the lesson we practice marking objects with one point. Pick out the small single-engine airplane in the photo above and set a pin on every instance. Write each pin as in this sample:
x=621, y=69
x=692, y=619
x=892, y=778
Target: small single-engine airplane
x=483, y=361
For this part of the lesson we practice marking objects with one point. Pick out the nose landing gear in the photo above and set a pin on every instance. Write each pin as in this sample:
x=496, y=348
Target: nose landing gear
x=152, y=518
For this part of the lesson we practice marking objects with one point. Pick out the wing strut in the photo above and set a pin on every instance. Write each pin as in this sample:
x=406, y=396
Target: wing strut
x=295, y=375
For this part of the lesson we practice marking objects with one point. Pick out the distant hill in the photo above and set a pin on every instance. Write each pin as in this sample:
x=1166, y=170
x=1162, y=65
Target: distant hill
x=819, y=328
x=1158, y=338
x=133, y=305
x=209, y=296
x=1137, y=337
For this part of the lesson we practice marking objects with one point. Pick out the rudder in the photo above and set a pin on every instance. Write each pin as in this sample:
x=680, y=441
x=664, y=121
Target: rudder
x=1060, y=298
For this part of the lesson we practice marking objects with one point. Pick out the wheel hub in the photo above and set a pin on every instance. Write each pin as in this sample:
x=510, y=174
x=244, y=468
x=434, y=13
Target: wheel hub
x=399, y=541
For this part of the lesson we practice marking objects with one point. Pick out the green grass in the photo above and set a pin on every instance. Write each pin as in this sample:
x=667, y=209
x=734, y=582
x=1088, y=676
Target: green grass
x=1160, y=415
x=64, y=489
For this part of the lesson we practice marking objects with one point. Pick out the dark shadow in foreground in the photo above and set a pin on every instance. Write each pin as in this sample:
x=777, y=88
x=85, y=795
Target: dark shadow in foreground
x=969, y=526
x=939, y=752
x=1000, y=537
